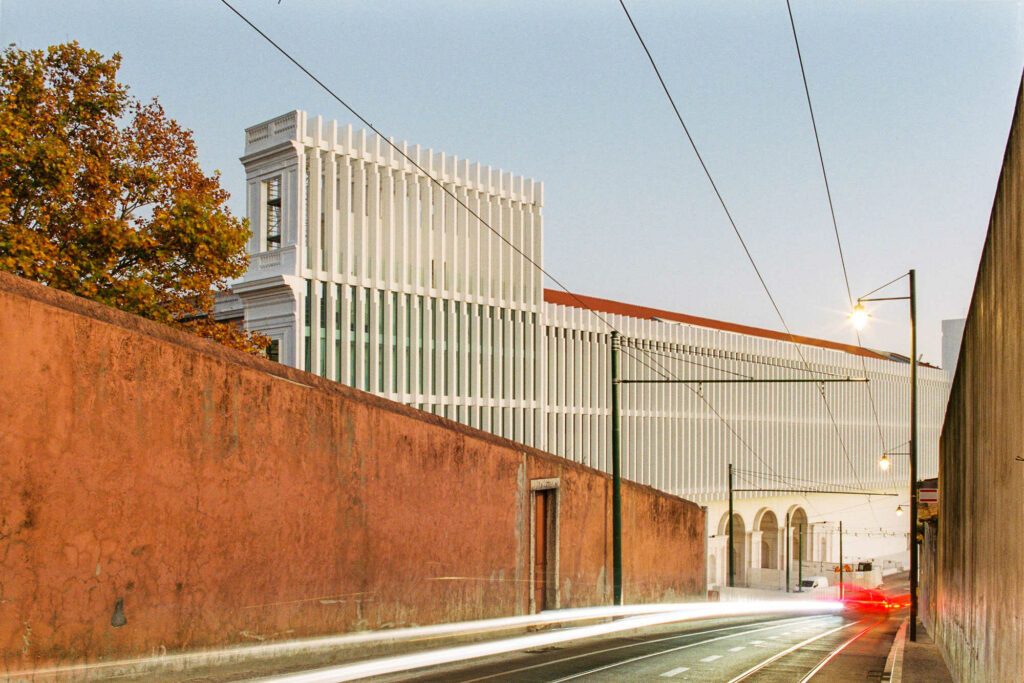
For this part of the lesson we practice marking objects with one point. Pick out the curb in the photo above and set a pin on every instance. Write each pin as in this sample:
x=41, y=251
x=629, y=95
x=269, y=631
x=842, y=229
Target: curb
x=333, y=648
x=894, y=662
x=356, y=649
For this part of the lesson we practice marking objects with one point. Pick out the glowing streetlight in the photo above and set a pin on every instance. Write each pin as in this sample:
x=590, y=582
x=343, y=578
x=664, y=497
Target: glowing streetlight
x=883, y=464
x=899, y=510
x=859, y=316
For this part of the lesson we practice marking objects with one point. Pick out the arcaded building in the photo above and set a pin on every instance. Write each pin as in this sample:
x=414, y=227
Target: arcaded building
x=367, y=272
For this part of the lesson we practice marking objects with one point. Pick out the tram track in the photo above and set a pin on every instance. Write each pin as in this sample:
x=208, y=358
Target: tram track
x=763, y=666
x=687, y=646
x=793, y=649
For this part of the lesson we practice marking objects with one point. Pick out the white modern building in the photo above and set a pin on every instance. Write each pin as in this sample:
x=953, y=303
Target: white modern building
x=367, y=272
x=952, y=336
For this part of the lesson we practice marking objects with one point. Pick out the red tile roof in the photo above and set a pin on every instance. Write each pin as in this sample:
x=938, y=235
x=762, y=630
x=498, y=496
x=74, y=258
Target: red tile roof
x=618, y=308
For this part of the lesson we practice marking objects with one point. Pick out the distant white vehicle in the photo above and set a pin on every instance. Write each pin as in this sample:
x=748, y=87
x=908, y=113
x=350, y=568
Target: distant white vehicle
x=814, y=582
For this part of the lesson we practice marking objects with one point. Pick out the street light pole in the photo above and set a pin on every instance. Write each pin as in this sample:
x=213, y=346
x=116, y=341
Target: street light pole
x=840, y=559
x=787, y=551
x=859, y=316
x=913, y=456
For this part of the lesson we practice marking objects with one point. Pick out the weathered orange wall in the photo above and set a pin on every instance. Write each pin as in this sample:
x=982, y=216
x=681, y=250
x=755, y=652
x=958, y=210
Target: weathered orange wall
x=227, y=499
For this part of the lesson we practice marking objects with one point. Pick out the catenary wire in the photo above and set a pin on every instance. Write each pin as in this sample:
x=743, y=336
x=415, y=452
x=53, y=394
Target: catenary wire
x=700, y=159
x=739, y=235
x=837, y=488
x=646, y=364
x=802, y=481
x=306, y=71
x=821, y=158
x=380, y=135
x=777, y=478
x=413, y=162
x=668, y=354
x=835, y=224
x=715, y=412
x=651, y=352
x=369, y=125
x=555, y=280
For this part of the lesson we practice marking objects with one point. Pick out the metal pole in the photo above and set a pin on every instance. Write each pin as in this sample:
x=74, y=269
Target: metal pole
x=800, y=561
x=840, y=559
x=787, y=552
x=704, y=509
x=913, y=456
x=616, y=479
x=732, y=573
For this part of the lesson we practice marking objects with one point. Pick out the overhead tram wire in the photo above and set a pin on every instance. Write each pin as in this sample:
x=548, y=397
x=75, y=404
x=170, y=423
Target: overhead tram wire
x=756, y=481
x=801, y=481
x=821, y=158
x=736, y=230
x=644, y=363
x=668, y=355
x=419, y=168
x=533, y=263
x=434, y=180
x=835, y=224
x=413, y=162
x=713, y=410
x=795, y=485
x=700, y=159
x=751, y=479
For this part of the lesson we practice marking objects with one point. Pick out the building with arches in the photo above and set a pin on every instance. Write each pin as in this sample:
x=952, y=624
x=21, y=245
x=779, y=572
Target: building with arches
x=365, y=271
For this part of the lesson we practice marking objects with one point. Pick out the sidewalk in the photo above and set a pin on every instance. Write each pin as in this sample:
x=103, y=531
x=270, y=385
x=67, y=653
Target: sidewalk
x=919, y=662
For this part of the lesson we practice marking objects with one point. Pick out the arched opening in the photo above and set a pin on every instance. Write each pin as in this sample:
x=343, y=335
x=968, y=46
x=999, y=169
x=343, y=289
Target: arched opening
x=739, y=546
x=798, y=525
x=723, y=525
x=769, y=528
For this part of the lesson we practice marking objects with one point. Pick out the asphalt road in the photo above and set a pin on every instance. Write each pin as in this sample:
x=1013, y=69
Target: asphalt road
x=819, y=648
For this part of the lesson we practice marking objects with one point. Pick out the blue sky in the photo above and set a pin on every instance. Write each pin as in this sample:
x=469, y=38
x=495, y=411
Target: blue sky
x=913, y=102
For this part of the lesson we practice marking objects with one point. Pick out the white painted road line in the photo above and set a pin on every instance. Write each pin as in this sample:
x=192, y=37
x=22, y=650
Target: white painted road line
x=751, y=671
x=660, y=653
x=756, y=642
x=737, y=649
x=673, y=672
x=711, y=658
x=679, y=613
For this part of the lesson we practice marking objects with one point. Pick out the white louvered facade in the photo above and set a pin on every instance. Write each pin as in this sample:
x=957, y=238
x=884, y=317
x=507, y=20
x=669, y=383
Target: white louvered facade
x=366, y=272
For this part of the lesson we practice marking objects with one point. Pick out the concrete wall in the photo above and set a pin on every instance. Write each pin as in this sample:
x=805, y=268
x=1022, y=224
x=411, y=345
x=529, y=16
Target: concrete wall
x=224, y=499
x=980, y=592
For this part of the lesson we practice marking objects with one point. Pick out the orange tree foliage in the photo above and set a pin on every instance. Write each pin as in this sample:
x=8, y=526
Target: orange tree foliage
x=102, y=196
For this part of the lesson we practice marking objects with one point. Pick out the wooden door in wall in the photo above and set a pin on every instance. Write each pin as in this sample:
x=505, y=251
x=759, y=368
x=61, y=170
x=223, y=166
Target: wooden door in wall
x=541, y=544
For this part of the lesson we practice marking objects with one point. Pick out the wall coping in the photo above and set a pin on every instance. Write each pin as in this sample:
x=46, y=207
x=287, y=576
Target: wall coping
x=26, y=289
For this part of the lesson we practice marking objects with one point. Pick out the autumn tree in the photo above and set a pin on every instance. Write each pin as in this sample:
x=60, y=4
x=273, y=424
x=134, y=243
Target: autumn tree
x=102, y=195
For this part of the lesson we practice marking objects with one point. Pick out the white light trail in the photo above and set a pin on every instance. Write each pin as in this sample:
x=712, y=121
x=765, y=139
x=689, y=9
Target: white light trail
x=667, y=614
